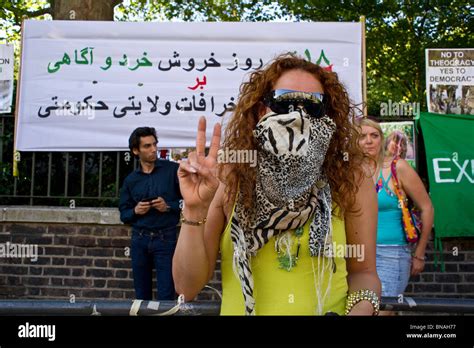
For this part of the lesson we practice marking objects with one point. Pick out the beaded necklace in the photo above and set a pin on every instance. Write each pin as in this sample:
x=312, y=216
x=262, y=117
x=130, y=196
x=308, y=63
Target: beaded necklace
x=287, y=259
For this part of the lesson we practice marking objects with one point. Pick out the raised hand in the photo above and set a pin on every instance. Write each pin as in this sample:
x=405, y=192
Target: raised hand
x=198, y=175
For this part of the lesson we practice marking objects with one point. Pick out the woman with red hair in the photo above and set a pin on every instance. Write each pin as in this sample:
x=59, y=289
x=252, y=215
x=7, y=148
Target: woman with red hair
x=283, y=226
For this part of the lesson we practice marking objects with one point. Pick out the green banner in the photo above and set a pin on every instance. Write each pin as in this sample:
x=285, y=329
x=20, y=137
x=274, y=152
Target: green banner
x=449, y=144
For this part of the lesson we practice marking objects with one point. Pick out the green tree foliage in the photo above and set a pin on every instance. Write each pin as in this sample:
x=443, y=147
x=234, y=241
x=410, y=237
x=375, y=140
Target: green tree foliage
x=397, y=34
x=12, y=12
x=211, y=11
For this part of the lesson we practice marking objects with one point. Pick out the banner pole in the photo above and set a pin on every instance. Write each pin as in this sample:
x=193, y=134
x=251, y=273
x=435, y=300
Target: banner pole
x=16, y=154
x=364, y=65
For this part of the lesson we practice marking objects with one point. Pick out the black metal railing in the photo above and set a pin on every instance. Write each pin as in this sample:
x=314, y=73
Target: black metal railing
x=60, y=178
x=430, y=306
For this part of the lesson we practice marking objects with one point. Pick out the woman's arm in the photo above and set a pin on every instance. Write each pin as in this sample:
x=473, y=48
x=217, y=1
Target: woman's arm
x=413, y=187
x=361, y=229
x=196, y=252
x=198, y=242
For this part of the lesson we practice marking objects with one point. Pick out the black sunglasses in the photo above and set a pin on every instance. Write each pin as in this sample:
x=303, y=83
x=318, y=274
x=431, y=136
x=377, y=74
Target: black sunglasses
x=283, y=101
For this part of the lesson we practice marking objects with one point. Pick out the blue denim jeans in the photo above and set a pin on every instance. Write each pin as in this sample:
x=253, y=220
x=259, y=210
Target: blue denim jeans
x=393, y=268
x=153, y=249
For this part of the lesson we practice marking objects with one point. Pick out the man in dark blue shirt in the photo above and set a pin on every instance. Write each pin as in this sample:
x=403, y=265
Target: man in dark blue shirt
x=150, y=202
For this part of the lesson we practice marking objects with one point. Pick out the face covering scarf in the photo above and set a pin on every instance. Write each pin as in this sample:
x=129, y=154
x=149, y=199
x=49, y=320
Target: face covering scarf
x=290, y=189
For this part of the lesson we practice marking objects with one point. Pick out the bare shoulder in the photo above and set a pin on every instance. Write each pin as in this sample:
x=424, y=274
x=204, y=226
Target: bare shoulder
x=409, y=179
x=403, y=165
x=405, y=170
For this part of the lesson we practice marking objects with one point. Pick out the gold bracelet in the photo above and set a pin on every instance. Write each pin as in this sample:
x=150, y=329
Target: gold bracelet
x=361, y=295
x=192, y=223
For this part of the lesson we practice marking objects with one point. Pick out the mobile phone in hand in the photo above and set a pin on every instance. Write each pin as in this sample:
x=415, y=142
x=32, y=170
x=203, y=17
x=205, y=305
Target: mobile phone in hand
x=149, y=199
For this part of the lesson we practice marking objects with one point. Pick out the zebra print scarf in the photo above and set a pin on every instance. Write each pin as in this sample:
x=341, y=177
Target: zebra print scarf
x=290, y=189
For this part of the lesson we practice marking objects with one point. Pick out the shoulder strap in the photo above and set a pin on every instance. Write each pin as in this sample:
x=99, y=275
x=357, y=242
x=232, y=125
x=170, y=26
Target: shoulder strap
x=386, y=181
x=393, y=168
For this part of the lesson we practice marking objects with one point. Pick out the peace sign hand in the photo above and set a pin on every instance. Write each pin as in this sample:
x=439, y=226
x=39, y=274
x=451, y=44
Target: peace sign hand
x=198, y=175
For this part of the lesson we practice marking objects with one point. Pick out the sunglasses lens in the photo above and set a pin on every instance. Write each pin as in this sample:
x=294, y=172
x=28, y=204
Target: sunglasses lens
x=315, y=110
x=280, y=107
x=283, y=101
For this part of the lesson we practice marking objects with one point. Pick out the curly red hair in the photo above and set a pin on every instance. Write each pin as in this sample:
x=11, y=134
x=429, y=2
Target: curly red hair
x=344, y=158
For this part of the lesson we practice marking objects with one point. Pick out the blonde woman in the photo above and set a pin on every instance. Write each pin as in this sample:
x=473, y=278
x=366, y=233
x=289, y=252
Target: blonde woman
x=396, y=260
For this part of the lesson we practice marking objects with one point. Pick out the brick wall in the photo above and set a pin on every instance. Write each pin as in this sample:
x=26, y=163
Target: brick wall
x=83, y=253
x=458, y=279
x=87, y=260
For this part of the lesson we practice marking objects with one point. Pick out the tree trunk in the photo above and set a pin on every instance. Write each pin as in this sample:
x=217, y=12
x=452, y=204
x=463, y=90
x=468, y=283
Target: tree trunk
x=94, y=10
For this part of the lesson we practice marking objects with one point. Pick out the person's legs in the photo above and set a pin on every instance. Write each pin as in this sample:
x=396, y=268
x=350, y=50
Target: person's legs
x=142, y=266
x=404, y=260
x=163, y=250
x=389, y=271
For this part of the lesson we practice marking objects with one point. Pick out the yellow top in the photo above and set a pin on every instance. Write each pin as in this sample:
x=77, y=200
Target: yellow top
x=281, y=292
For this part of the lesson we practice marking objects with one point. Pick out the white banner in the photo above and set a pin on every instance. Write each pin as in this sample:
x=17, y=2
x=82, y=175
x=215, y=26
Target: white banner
x=85, y=86
x=6, y=77
x=450, y=80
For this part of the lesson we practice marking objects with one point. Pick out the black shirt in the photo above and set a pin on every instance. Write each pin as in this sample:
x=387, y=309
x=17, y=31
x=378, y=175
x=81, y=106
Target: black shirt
x=161, y=182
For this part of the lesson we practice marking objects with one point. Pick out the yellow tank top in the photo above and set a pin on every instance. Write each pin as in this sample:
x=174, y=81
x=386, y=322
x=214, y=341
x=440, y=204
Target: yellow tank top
x=281, y=292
